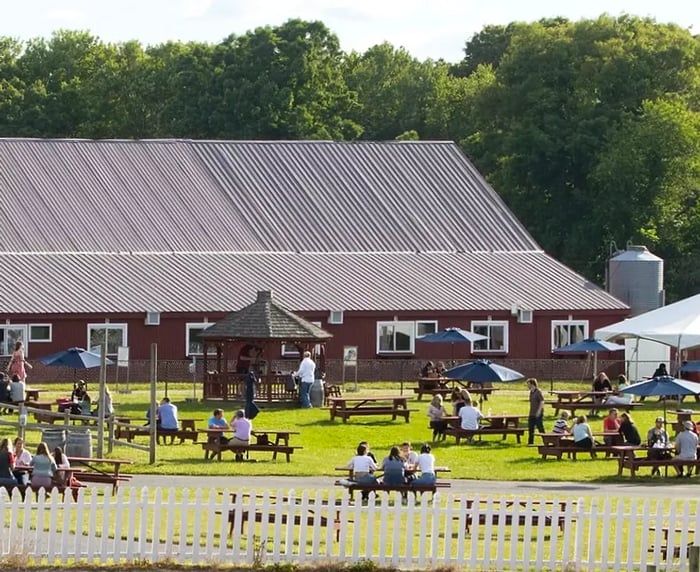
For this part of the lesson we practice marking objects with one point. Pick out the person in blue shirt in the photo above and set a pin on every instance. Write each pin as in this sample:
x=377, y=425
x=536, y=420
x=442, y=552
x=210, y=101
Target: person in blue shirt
x=166, y=416
x=217, y=424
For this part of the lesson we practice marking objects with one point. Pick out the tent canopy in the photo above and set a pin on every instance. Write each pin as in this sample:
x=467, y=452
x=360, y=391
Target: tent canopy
x=676, y=325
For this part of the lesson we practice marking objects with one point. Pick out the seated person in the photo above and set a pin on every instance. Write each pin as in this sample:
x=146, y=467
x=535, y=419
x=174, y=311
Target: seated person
x=410, y=458
x=611, y=424
x=109, y=407
x=686, y=448
x=79, y=389
x=660, y=371
x=23, y=460
x=362, y=466
x=85, y=405
x=470, y=416
x=217, y=423
x=458, y=401
x=242, y=430
x=428, y=370
x=658, y=444
x=441, y=369
x=394, y=467
x=4, y=392
x=166, y=416
x=583, y=436
x=18, y=391
x=629, y=431
x=561, y=425
x=426, y=466
x=600, y=384
x=437, y=413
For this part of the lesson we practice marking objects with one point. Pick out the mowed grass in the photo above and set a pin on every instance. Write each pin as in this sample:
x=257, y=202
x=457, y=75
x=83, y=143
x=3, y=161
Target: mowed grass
x=328, y=444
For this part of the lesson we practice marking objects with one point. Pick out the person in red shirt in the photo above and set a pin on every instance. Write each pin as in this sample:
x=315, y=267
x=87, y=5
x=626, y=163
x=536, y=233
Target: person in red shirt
x=611, y=424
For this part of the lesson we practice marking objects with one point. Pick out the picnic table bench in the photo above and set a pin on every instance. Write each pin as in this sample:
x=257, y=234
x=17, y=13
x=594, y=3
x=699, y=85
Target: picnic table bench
x=352, y=486
x=510, y=511
x=587, y=405
x=86, y=469
x=560, y=444
x=627, y=459
x=273, y=516
x=502, y=424
x=346, y=407
x=270, y=440
x=187, y=431
x=425, y=387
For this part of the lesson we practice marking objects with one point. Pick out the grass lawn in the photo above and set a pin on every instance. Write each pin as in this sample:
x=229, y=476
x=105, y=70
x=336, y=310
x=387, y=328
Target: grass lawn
x=327, y=444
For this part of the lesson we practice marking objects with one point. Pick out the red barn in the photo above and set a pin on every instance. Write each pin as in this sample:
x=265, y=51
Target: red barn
x=379, y=243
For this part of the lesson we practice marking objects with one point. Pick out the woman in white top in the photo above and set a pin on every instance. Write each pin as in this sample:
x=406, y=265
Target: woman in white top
x=583, y=436
x=436, y=412
x=426, y=465
x=362, y=466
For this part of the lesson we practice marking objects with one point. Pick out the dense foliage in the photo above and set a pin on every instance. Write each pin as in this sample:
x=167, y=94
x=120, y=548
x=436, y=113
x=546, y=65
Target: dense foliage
x=589, y=130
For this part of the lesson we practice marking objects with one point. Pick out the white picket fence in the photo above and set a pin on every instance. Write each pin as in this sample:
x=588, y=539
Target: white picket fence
x=205, y=526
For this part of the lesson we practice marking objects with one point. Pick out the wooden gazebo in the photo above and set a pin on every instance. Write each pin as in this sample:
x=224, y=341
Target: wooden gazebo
x=247, y=339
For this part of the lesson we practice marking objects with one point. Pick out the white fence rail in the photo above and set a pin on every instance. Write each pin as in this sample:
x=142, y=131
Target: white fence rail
x=486, y=532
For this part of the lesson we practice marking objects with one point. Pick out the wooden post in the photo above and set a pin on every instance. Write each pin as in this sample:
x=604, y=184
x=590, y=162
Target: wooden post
x=153, y=420
x=694, y=558
x=101, y=401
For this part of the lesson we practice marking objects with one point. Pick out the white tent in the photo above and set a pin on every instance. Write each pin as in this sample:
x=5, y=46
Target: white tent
x=676, y=325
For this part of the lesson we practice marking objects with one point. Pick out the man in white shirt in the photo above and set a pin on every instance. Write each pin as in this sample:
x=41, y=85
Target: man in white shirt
x=306, y=371
x=470, y=417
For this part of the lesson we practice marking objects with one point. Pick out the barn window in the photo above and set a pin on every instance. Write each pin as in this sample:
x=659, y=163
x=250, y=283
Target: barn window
x=496, y=332
x=114, y=335
x=193, y=345
x=565, y=332
x=425, y=327
x=395, y=337
x=40, y=333
x=10, y=334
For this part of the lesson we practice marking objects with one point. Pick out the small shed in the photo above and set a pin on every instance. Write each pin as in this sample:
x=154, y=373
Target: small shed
x=243, y=339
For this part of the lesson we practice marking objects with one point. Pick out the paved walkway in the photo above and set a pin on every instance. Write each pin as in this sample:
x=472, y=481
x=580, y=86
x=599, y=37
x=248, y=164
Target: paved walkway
x=669, y=488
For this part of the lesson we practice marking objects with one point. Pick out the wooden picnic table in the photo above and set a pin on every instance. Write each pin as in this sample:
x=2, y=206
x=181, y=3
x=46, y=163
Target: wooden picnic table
x=270, y=440
x=495, y=420
x=346, y=407
x=438, y=469
x=273, y=436
x=32, y=393
x=86, y=469
x=445, y=385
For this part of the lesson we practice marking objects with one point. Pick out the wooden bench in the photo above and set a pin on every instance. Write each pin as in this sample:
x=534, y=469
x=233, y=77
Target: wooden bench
x=571, y=451
x=512, y=513
x=59, y=487
x=214, y=449
x=369, y=487
x=102, y=478
x=187, y=431
x=458, y=433
x=421, y=391
x=635, y=463
x=345, y=414
x=572, y=406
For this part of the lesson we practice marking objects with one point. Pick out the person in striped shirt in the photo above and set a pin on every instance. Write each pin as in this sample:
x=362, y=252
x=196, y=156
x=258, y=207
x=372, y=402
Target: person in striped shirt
x=561, y=425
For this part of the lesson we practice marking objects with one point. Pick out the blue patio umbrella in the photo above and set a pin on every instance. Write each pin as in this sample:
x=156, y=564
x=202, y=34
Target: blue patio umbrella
x=590, y=346
x=661, y=386
x=77, y=358
x=483, y=371
x=452, y=336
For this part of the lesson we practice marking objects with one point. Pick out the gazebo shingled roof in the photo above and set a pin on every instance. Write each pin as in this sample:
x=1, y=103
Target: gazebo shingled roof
x=264, y=319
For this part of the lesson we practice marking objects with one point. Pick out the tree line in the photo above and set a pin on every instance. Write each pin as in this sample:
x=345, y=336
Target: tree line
x=589, y=130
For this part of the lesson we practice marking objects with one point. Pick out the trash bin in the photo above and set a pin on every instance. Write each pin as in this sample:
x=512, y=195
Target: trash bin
x=316, y=393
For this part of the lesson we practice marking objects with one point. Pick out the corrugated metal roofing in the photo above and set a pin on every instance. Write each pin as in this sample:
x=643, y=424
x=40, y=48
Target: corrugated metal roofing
x=172, y=226
x=222, y=282
x=307, y=196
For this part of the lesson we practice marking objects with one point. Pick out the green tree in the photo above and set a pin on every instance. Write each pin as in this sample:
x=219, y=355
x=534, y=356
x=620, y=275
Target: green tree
x=282, y=83
x=11, y=86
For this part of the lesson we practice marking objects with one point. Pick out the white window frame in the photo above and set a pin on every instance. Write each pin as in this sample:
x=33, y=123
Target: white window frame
x=433, y=322
x=41, y=340
x=410, y=324
x=557, y=323
x=23, y=338
x=489, y=324
x=109, y=326
x=199, y=326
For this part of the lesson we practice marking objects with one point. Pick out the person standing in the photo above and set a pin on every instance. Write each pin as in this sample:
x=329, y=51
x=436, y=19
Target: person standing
x=535, y=418
x=305, y=373
x=18, y=365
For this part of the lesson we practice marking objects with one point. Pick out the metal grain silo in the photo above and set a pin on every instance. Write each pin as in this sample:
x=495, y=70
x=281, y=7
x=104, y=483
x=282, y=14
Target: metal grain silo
x=636, y=277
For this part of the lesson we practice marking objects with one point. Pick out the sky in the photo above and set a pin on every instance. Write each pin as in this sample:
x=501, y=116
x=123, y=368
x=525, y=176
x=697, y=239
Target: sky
x=426, y=28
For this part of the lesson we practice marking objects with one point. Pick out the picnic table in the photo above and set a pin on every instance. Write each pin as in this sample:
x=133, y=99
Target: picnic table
x=558, y=444
x=628, y=459
x=571, y=400
x=86, y=469
x=346, y=407
x=271, y=440
x=445, y=385
x=495, y=424
x=32, y=393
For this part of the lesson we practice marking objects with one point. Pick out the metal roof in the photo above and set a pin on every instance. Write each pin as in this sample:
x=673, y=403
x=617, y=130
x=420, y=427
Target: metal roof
x=264, y=319
x=197, y=226
x=222, y=282
x=306, y=196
